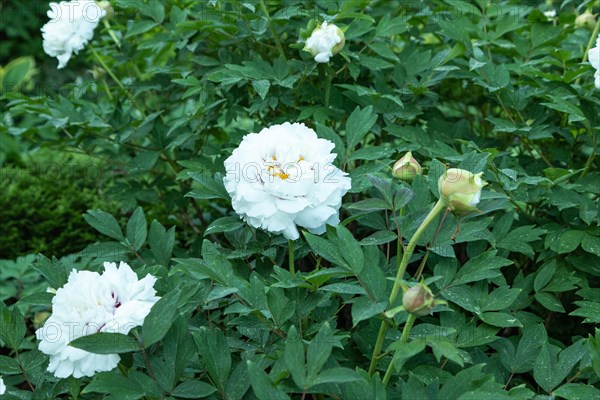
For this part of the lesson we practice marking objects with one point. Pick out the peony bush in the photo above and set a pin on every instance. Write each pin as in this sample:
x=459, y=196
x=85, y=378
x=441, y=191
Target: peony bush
x=309, y=200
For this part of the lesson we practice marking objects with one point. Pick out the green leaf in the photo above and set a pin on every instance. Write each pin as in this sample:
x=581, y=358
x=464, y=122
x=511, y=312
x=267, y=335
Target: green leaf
x=517, y=239
x=589, y=310
x=336, y=375
x=106, y=343
x=389, y=27
x=569, y=241
x=161, y=242
x=193, y=390
x=214, y=350
x=157, y=323
x=262, y=87
x=380, y=237
x=137, y=229
x=484, y=266
x=500, y=319
x=365, y=308
x=9, y=366
x=549, y=301
x=115, y=384
x=445, y=348
x=104, y=223
x=350, y=249
x=359, y=124
x=552, y=366
x=262, y=385
x=528, y=349
x=210, y=187
x=405, y=351
x=577, y=391
x=369, y=205
x=319, y=350
x=155, y=10
x=326, y=249
x=500, y=299
x=12, y=326
x=225, y=224
x=591, y=244
x=55, y=272
x=293, y=357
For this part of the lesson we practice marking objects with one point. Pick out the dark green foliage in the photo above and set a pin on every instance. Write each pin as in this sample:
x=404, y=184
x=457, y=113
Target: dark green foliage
x=42, y=206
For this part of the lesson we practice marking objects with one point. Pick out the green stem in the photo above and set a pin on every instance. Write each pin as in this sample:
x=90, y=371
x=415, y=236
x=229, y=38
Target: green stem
x=111, y=32
x=405, y=335
x=410, y=248
x=590, y=159
x=275, y=36
x=330, y=73
x=291, y=257
x=116, y=79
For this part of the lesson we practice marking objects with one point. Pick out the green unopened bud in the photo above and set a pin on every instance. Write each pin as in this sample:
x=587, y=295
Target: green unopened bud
x=98, y=73
x=461, y=189
x=105, y=5
x=585, y=20
x=407, y=168
x=418, y=300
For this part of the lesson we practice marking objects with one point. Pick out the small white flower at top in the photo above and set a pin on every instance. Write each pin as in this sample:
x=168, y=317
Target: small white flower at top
x=283, y=176
x=325, y=41
x=550, y=14
x=116, y=302
x=70, y=28
x=594, y=57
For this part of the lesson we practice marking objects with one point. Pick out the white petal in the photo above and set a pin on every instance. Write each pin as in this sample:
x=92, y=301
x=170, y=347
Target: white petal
x=323, y=57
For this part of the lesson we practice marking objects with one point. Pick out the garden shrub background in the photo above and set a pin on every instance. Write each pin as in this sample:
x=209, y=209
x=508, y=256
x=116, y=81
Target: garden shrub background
x=493, y=87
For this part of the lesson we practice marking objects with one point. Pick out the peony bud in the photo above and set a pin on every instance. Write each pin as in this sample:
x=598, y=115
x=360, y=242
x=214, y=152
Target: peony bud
x=461, y=189
x=325, y=41
x=407, y=168
x=585, y=20
x=418, y=300
x=105, y=5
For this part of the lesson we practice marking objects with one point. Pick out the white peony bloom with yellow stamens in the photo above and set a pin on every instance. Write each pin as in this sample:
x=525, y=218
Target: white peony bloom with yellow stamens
x=116, y=302
x=282, y=177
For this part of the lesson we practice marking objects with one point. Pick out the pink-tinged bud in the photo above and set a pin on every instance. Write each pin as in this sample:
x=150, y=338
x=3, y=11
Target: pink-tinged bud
x=418, y=300
x=407, y=168
x=461, y=189
x=585, y=20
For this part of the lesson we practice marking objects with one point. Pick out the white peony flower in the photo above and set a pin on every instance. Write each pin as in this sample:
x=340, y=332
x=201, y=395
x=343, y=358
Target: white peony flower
x=325, y=41
x=2, y=387
x=283, y=176
x=71, y=26
x=115, y=301
x=594, y=57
